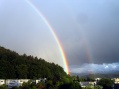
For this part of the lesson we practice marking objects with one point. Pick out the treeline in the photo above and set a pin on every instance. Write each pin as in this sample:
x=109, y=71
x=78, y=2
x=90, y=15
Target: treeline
x=15, y=66
x=98, y=75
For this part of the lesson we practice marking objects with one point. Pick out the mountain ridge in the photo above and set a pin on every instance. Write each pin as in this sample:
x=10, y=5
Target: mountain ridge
x=97, y=75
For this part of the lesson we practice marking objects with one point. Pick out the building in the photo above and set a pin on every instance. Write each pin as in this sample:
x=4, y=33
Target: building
x=97, y=79
x=2, y=81
x=21, y=81
x=93, y=83
x=12, y=82
x=116, y=80
x=84, y=84
x=18, y=82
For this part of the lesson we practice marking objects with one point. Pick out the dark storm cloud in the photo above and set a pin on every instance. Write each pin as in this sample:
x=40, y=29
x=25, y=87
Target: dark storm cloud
x=99, y=25
x=105, y=45
x=78, y=56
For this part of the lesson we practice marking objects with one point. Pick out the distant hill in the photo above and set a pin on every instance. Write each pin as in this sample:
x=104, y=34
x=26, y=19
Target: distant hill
x=15, y=66
x=97, y=75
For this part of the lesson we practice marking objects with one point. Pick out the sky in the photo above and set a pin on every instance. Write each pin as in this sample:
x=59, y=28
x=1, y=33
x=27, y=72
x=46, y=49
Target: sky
x=87, y=30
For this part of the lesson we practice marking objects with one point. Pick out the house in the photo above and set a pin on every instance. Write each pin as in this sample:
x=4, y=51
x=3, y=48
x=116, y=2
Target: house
x=18, y=82
x=93, y=83
x=38, y=80
x=21, y=81
x=84, y=84
x=12, y=82
x=2, y=81
x=116, y=80
x=43, y=80
x=97, y=79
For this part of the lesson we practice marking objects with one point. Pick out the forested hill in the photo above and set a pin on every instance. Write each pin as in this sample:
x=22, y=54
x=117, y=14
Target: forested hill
x=15, y=66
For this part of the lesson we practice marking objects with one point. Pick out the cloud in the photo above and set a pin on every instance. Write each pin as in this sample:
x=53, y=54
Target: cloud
x=95, y=68
x=98, y=21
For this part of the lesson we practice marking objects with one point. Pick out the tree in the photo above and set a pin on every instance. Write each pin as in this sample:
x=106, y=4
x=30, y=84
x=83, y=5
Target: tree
x=26, y=85
x=3, y=87
x=40, y=85
x=22, y=71
x=106, y=83
x=78, y=78
x=75, y=85
x=13, y=65
x=93, y=87
x=49, y=84
x=98, y=87
x=71, y=85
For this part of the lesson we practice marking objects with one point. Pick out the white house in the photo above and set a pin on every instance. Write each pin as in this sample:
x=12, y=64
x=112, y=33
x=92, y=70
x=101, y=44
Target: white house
x=21, y=81
x=84, y=84
x=93, y=83
x=2, y=81
x=116, y=80
x=18, y=82
x=12, y=82
x=97, y=79
x=38, y=80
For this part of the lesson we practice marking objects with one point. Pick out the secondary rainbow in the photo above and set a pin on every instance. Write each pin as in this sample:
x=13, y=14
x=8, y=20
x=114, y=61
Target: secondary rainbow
x=54, y=35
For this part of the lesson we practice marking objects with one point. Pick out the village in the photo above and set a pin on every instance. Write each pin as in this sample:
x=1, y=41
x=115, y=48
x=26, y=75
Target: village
x=94, y=83
x=18, y=82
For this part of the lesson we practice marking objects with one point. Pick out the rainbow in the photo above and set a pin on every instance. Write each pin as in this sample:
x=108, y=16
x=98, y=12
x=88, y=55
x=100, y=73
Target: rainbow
x=54, y=35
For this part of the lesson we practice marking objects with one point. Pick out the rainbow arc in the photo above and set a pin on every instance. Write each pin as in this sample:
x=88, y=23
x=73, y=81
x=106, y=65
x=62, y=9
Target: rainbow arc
x=54, y=35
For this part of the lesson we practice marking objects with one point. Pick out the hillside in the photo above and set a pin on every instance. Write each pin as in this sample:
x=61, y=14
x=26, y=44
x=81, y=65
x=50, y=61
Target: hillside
x=15, y=66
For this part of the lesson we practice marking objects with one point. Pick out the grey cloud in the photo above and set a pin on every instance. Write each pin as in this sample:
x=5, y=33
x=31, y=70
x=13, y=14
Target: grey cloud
x=95, y=68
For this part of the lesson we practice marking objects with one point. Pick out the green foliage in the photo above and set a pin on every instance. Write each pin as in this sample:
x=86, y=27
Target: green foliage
x=3, y=87
x=66, y=79
x=106, y=83
x=89, y=87
x=33, y=87
x=15, y=66
x=15, y=87
x=40, y=85
x=26, y=85
x=22, y=71
x=49, y=84
x=90, y=79
x=78, y=79
x=75, y=86
x=71, y=85
x=93, y=87
x=98, y=87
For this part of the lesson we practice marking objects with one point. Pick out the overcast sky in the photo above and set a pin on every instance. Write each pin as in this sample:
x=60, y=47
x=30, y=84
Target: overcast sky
x=87, y=30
